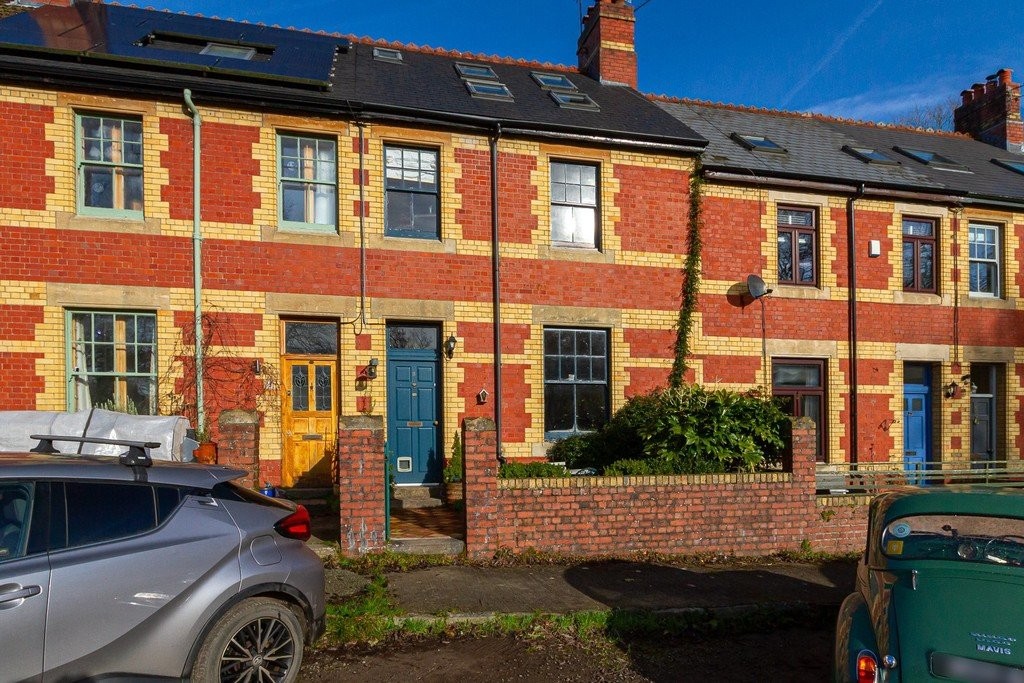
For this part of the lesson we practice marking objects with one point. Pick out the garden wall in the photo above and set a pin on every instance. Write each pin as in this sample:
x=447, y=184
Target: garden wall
x=734, y=514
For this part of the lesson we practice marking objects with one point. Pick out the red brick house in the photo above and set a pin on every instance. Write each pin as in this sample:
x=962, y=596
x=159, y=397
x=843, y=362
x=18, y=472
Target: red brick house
x=429, y=236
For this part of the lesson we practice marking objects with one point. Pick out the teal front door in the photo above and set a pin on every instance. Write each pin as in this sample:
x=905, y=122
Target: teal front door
x=916, y=421
x=413, y=405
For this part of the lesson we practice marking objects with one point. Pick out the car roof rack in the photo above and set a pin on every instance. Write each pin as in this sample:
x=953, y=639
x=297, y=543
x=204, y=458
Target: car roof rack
x=137, y=454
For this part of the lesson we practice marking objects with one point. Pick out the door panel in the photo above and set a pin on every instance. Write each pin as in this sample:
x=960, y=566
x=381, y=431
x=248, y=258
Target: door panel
x=137, y=587
x=309, y=421
x=917, y=422
x=24, y=592
x=412, y=420
x=982, y=429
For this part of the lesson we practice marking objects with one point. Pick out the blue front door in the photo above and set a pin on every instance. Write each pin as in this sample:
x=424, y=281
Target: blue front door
x=916, y=421
x=413, y=405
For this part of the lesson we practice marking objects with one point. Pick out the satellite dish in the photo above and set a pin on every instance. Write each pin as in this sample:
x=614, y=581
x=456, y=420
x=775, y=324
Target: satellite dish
x=756, y=286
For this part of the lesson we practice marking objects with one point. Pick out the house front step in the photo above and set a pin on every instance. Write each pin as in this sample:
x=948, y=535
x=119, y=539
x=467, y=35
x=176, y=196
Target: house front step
x=407, y=497
x=439, y=545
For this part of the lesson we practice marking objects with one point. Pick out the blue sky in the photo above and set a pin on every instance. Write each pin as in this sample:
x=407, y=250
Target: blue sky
x=865, y=59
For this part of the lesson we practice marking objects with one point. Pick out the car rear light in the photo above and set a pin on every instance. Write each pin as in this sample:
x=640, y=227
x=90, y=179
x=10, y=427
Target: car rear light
x=867, y=668
x=295, y=525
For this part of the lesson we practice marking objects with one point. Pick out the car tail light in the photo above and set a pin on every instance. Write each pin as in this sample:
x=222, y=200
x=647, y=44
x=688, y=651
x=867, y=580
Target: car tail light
x=867, y=668
x=295, y=525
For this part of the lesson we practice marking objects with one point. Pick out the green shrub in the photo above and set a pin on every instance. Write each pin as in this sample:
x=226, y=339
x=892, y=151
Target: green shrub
x=687, y=430
x=453, y=469
x=575, y=451
x=531, y=470
x=717, y=430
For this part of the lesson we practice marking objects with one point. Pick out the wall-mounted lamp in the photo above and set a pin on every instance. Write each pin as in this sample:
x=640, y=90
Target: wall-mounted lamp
x=257, y=367
x=956, y=389
x=481, y=397
x=449, y=346
x=370, y=371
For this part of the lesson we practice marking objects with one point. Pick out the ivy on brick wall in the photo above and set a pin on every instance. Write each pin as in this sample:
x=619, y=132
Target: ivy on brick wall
x=691, y=280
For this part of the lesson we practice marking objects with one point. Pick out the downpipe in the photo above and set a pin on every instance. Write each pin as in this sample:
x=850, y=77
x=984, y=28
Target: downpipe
x=197, y=258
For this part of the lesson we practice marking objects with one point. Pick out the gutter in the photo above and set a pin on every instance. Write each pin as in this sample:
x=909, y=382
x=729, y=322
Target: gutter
x=197, y=257
x=851, y=255
x=262, y=96
x=839, y=188
x=496, y=292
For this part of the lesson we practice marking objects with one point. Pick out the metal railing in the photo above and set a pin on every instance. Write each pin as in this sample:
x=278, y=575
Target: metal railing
x=874, y=477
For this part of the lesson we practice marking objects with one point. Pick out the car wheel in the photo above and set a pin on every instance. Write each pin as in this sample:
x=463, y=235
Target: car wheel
x=256, y=640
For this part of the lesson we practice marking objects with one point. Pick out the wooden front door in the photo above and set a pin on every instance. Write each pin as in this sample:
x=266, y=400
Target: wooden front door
x=309, y=421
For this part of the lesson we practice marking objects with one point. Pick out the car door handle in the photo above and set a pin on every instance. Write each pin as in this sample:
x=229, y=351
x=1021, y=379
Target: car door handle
x=20, y=594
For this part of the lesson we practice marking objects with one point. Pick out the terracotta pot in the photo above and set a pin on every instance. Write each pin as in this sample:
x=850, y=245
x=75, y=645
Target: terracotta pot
x=206, y=453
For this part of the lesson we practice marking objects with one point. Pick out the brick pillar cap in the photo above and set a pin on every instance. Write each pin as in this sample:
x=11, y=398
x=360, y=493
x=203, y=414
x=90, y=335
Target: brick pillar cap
x=238, y=417
x=480, y=424
x=361, y=422
x=802, y=423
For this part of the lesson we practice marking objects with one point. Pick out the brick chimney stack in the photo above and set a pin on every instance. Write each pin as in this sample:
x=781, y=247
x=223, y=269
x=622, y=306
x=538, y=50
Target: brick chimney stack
x=606, y=46
x=990, y=112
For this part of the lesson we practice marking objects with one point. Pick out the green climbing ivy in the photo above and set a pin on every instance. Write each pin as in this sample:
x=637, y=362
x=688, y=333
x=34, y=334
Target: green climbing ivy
x=691, y=280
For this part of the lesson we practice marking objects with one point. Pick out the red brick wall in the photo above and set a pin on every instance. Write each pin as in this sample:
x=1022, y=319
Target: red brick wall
x=748, y=514
x=21, y=382
x=228, y=167
x=361, y=486
x=239, y=444
x=653, y=205
x=23, y=154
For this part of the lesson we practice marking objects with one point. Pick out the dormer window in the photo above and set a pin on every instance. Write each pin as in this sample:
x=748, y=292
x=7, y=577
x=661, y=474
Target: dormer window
x=489, y=90
x=230, y=51
x=869, y=155
x=553, y=81
x=574, y=100
x=387, y=54
x=758, y=143
x=933, y=159
x=1011, y=164
x=477, y=72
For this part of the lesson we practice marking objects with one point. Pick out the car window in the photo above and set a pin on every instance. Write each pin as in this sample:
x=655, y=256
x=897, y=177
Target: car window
x=972, y=538
x=103, y=511
x=16, y=499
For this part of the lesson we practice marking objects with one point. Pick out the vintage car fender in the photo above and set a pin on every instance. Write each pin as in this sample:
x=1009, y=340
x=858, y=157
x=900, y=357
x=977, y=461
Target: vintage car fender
x=854, y=634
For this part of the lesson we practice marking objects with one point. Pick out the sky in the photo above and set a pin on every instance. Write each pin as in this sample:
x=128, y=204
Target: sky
x=872, y=60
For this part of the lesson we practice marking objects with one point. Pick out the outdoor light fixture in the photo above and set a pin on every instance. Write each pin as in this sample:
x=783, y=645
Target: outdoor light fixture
x=449, y=346
x=481, y=397
x=257, y=367
x=370, y=371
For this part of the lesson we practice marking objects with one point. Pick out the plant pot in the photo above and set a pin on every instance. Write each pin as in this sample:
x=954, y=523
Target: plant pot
x=453, y=491
x=206, y=453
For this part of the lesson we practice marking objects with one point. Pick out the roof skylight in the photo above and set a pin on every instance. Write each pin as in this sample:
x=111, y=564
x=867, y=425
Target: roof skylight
x=387, y=54
x=869, y=155
x=1012, y=164
x=933, y=159
x=476, y=71
x=574, y=100
x=758, y=143
x=553, y=81
x=489, y=90
x=230, y=51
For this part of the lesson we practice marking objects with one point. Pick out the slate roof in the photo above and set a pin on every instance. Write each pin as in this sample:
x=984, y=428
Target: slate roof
x=814, y=151
x=103, y=44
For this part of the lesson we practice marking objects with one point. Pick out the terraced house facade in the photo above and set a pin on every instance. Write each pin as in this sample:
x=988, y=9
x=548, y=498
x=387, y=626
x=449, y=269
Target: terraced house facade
x=429, y=236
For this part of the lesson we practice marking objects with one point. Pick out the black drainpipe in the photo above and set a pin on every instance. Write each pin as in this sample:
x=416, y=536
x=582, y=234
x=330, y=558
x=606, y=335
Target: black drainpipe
x=851, y=225
x=496, y=291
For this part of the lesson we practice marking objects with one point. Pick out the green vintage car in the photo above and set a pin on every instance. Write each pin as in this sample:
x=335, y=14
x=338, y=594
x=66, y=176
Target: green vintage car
x=940, y=590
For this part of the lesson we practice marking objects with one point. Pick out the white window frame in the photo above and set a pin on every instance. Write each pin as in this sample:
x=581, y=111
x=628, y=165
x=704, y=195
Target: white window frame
x=993, y=261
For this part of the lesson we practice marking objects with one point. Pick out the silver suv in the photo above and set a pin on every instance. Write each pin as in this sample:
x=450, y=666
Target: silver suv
x=121, y=566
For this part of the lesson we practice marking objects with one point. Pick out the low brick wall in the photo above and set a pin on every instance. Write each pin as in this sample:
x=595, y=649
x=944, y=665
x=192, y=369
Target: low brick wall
x=734, y=514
